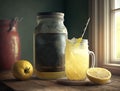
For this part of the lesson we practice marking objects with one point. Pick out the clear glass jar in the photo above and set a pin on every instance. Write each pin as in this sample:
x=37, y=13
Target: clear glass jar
x=49, y=45
x=77, y=59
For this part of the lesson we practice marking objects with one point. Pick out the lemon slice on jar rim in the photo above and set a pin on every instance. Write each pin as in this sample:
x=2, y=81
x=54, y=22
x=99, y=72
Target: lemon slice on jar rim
x=99, y=75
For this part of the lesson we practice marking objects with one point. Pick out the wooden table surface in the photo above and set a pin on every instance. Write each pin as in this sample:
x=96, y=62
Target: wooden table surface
x=9, y=83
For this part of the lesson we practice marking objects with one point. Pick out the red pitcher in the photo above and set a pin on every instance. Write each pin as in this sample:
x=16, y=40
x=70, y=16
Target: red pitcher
x=9, y=44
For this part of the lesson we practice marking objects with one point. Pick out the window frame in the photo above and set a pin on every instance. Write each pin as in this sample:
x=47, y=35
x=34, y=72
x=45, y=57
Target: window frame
x=99, y=34
x=113, y=11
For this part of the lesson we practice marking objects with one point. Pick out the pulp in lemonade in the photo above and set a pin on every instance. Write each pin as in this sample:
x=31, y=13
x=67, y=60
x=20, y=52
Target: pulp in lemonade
x=76, y=61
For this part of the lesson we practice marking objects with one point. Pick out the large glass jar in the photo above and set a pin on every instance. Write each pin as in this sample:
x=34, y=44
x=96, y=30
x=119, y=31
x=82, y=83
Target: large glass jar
x=49, y=45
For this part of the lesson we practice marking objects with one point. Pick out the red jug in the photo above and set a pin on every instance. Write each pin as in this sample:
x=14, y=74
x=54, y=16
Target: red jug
x=9, y=44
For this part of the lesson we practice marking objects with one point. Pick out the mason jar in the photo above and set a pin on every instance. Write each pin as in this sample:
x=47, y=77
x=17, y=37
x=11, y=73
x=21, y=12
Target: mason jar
x=77, y=60
x=49, y=44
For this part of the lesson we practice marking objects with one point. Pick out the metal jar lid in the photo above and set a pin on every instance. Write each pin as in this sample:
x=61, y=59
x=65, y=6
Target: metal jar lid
x=50, y=15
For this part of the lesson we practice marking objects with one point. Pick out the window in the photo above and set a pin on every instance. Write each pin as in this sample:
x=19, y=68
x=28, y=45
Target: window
x=115, y=17
x=104, y=33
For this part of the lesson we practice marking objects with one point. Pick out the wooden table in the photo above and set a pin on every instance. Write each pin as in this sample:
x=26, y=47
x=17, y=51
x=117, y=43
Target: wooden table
x=9, y=83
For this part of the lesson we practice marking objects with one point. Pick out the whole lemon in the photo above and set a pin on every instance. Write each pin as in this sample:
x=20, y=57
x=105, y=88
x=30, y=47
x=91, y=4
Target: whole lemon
x=22, y=70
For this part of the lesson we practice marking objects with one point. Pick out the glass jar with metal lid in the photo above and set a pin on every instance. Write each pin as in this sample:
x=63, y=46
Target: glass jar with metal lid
x=49, y=45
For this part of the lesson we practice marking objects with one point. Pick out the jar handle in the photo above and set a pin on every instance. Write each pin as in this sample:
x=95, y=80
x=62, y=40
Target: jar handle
x=91, y=53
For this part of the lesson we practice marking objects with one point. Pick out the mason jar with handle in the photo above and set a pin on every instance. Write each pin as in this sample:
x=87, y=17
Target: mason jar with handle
x=49, y=42
x=77, y=59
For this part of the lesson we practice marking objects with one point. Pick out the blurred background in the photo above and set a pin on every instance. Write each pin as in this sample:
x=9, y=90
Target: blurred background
x=76, y=15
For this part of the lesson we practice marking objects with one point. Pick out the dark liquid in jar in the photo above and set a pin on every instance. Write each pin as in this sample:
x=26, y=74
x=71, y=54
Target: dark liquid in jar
x=50, y=52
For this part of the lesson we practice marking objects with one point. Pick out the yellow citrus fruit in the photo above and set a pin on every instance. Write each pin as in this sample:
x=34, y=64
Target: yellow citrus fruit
x=79, y=40
x=98, y=75
x=22, y=69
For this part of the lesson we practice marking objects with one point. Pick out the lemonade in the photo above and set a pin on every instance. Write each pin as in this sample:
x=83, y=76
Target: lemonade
x=76, y=59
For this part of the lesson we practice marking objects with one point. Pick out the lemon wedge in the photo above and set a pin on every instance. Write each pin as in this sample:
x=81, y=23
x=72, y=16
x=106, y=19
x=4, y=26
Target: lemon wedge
x=98, y=75
x=79, y=40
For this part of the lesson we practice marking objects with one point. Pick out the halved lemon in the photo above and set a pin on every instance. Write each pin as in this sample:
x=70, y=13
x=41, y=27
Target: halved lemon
x=98, y=75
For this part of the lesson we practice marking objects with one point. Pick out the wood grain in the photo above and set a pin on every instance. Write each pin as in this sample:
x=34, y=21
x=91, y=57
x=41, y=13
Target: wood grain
x=35, y=84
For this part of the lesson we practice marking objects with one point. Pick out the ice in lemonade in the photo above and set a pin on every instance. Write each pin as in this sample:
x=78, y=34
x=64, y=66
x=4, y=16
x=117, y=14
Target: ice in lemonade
x=76, y=60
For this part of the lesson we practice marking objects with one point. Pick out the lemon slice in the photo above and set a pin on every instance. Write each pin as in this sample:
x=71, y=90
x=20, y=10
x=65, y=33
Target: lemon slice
x=79, y=40
x=98, y=75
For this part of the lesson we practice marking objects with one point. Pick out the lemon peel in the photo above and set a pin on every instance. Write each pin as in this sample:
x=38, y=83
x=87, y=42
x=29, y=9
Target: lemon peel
x=22, y=70
x=99, y=75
